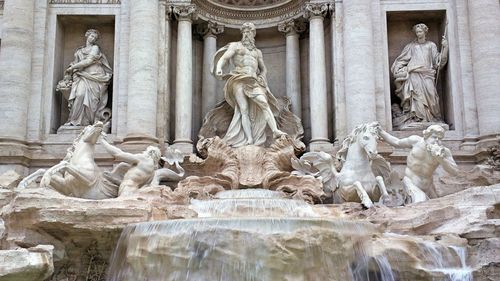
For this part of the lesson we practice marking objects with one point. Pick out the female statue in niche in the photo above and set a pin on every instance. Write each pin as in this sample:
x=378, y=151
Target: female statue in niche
x=415, y=76
x=88, y=77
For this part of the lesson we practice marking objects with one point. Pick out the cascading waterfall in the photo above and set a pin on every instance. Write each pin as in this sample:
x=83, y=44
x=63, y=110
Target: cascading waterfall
x=258, y=235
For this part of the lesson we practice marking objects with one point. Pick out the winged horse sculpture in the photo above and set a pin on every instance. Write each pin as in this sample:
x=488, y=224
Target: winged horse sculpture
x=362, y=170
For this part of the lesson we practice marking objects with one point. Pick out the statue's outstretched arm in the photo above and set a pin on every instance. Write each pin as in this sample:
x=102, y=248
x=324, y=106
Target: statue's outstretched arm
x=118, y=153
x=400, y=143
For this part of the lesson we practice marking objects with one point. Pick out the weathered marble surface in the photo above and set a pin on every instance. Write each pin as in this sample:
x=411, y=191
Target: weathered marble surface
x=36, y=217
x=34, y=264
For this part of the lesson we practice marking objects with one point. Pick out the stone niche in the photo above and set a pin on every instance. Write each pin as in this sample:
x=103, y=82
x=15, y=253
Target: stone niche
x=70, y=35
x=400, y=33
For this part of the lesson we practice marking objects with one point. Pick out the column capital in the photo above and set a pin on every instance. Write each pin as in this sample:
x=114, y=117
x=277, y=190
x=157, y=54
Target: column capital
x=314, y=10
x=292, y=27
x=185, y=12
x=209, y=28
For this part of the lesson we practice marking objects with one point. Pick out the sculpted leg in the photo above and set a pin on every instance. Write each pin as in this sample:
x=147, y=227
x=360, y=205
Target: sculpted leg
x=383, y=190
x=79, y=176
x=363, y=196
x=59, y=184
x=413, y=193
x=241, y=99
x=266, y=110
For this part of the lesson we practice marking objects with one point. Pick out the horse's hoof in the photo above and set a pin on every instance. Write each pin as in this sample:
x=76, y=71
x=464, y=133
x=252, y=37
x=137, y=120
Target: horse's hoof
x=367, y=204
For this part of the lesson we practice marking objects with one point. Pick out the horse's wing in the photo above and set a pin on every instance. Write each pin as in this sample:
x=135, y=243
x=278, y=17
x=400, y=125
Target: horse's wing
x=381, y=167
x=324, y=163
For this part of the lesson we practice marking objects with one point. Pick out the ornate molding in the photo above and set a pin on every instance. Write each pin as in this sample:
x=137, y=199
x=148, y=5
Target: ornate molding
x=312, y=10
x=292, y=27
x=209, y=29
x=185, y=12
x=249, y=3
x=85, y=2
x=266, y=14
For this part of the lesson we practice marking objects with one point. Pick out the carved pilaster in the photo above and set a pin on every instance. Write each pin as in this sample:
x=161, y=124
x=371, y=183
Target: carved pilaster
x=209, y=29
x=312, y=10
x=185, y=12
x=292, y=27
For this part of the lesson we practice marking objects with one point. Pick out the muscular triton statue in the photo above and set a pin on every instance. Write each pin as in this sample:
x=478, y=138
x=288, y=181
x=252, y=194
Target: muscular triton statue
x=246, y=91
x=139, y=168
x=426, y=154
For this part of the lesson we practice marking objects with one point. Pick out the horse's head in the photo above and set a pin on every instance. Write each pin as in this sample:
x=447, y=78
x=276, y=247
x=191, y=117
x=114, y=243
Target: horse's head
x=91, y=133
x=367, y=137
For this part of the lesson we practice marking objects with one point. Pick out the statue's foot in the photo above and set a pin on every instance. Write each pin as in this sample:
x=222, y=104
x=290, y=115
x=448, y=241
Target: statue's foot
x=278, y=133
x=249, y=142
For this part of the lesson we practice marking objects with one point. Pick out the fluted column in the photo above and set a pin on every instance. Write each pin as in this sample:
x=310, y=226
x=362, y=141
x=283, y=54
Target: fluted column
x=484, y=21
x=184, y=79
x=291, y=29
x=143, y=71
x=209, y=96
x=359, y=69
x=317, y=77
x=15, y=69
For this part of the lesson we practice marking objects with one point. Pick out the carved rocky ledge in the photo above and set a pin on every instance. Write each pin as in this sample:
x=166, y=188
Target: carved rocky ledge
x=34, y=264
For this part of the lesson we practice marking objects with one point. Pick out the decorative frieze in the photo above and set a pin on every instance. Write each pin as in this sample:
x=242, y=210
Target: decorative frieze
x=85, y=2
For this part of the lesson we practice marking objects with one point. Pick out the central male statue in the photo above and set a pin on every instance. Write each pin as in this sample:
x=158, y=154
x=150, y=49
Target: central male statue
x=246, y=91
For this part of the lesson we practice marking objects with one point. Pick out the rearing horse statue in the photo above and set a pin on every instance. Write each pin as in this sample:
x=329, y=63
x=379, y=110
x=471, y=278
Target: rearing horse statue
x=362, y=169
x=77, y=174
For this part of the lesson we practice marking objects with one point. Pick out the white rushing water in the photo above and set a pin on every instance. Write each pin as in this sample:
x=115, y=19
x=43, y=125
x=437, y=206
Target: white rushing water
x=256, y=235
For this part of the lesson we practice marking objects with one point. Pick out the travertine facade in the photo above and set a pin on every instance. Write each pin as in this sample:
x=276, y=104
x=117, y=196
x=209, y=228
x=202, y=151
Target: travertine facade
x=330, y=58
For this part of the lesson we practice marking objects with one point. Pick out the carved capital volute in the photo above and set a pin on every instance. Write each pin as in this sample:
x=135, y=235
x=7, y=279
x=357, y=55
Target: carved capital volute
x=291, y=27
x=315, y=10
x=185, y=12
x=209, y=29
